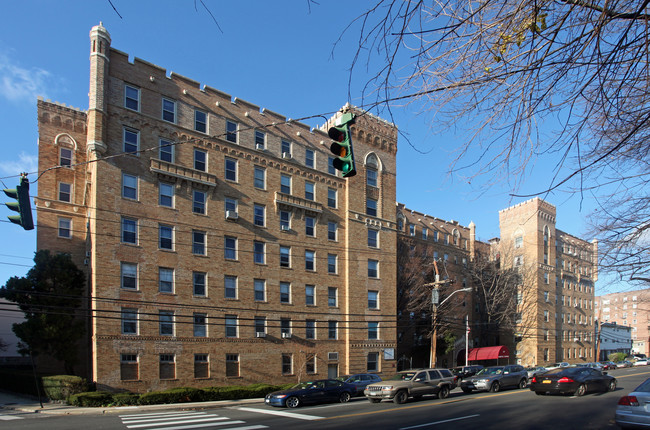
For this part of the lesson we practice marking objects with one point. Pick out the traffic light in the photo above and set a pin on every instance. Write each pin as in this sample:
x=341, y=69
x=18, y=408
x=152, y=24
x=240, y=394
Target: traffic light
x=21, y=205
x=342, y=145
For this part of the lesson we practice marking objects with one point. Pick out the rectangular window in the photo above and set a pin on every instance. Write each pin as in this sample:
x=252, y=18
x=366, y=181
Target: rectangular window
x=201, y=366
x=198, y=284
x=129, y=186
x=259, y=215
x=131, y=140
x=435, y=236
x=310, y=364
x=65, y=192
x=231, y=131
x=166, y=152
x=310, y=329
x=65, y=228
x=309, y=158
x=412, y=230
x=259, y=286
x=309, y=190
x=167, y=368
x=129, y=275
x=519, y=241
x=310, y=295
x=200, y=160
x=373, y=362
x=131, y=97
x=332, y=263
x=165, y=237
x=310, y=260
x=331, y=297
x=286, y=149
x=371, y=207
x=260, y=178
x=260, y=139
x=230, y=247
x=285, y=220
x=199, y=199
x=371, y=177
x=331, y=230
x=310, y=226
x=198, y=242
x=373, y=330
x=65, y=157
x=166, y=195
x=260, y=325
x=166, y=323
x=287, y=364
x=285, y=327
x=200, y=328
x=285, y=184
x=232, y=365
x=168, y=110
x=200, y=121
x=330, y=166
x=285, y=292
x=165, y=280
x=372, y=238
x=331, y=197
x=129, y=321
x=231, y=326
x=373, y=269
x=259, y=252
x=285, y=256
x=230, y=287
x=129, y=367
x=129, y=230
x=332, y=329
x=231, y=169
x=373, y=302
x=230, y=205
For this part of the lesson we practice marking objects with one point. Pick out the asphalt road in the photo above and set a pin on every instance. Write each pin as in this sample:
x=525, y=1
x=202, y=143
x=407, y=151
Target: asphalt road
x=509, y=409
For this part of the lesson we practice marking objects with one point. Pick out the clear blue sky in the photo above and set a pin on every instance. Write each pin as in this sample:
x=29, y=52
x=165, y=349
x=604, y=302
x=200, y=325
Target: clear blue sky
x=276, y=54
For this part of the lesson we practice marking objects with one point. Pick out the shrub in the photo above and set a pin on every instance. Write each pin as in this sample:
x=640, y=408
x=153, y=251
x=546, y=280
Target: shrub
x=91, y=399
x=173, y=395
x=616, y=356
x=60, y=387
x=125, y=399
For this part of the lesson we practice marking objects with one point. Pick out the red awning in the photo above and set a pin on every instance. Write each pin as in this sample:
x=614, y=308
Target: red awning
x=488, y=353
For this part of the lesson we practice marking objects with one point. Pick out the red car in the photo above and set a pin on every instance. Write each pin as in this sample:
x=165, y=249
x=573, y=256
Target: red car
x=608, y=365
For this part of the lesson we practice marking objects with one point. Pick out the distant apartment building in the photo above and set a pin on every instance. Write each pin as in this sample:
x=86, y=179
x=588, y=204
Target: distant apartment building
x=614, y=338
x=559, y=271
x=221, y=246
x=632, y=309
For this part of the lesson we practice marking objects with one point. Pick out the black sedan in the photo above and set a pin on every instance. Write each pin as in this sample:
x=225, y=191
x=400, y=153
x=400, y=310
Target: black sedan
x=320, y=391
x=572, y=380
x=360, y=380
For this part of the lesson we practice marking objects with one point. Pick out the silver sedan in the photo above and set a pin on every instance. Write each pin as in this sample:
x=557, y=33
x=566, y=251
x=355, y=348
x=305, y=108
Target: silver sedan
x=631, y=411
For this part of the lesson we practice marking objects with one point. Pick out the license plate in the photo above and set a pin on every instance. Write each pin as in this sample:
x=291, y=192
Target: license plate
x=546, y=381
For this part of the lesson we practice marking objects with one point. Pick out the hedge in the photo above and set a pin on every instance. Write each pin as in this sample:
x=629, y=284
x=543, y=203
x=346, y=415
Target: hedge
x=173, y=395
x=91, y=399
x=60, y=387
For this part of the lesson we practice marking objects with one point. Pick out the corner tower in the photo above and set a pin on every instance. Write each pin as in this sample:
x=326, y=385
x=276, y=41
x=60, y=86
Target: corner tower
x=100, y=42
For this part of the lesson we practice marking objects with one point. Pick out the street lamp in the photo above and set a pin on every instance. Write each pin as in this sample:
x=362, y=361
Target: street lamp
x=435, y=297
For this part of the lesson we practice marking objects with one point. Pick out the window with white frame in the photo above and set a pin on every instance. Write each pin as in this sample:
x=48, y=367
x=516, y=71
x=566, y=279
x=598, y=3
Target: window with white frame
x=231, y=131
x=259, y=290
x=230, y=287
x=260, y=139
x=199, y=284
x=332, y=228
x=129, y=230
x=65, y=192
x=259, y=252
x=230, y=166
x=373, y=299
x=310, y=329
x=129, y=276
x=200, y=121
x=131, y=140
x=259, y=180
x=331, y=198
x=285, y=220
x=332, y=297
x=232, y=326
x=166, y=150
x=65, y=228
x=373, y=268
x=373, y=330
x=129, y=321
x=165, y=280
x=166, y=194
x=309, y=158
x=129, y=186
x=131, y=97
x=65, y=157
x=309, y=190
x=310, y=295
x=285, y=256
x=310, y=260
x=168, y=110
x=230, y=248
x=285, y=292
x=332, y=264
x=285, y=148
x=165, y=237
x=310, y=226
x=200, y=327
x=285, y=184
x=199, y=200
x=166, y=323
x=373, y=238
x=200, y=160
x=259, y=215
x=198, y=242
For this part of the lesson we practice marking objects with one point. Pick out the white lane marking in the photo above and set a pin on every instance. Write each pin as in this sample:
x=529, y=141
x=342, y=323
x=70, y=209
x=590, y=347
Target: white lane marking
x=188, y=415
x=154, y=414
x=196, y=426
x=281, y=413
x=439, y=422
x=9, y=417
x=211, y=419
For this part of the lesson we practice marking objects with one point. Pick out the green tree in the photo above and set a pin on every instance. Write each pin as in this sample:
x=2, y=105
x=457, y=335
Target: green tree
x=50, y=296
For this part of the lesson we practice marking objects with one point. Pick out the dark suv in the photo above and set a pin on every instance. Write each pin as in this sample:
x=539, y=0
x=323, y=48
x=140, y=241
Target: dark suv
x=496, y=377
x=466, y=371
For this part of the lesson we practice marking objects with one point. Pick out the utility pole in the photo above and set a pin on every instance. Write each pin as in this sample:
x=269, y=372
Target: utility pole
x=466, y=339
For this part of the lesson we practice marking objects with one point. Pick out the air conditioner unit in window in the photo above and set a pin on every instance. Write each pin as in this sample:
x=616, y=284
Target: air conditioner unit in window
x=286, y=155
x=284, y=227
x=332, y=356
x=260, y=334
x=286, y=335
x=232, y=215
x=259, y=146
x=576, y=339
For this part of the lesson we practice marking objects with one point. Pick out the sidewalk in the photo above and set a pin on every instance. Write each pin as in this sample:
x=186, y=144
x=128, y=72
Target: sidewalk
x=22, y=403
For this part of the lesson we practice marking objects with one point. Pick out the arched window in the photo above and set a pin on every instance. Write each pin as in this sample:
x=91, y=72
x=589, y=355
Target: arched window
x=456, y=236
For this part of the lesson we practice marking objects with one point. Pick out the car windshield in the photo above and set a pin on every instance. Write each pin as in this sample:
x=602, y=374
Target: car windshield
x=403, y=376
x=304, y=385
x=491, y=371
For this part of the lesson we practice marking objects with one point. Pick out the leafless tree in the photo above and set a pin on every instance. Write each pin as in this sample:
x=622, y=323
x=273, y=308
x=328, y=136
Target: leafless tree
x=566, y=79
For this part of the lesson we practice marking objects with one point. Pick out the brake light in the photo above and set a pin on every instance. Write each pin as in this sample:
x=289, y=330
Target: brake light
x=565, y=380
x=628, y=401
x=534, y=380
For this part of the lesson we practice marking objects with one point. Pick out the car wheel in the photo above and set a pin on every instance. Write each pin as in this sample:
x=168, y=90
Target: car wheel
x=495, y=387
x=374, y=400
x=522, y=384
x=612, y=385
x=582, y=389
x=444, y=392
x=344, y=397
x=400, y=397
x=466, y=390
x=293, y=402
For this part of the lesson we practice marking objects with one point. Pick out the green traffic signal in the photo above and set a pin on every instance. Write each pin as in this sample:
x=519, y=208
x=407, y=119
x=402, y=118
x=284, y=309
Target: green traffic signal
x=342, y=146
x=22, y=205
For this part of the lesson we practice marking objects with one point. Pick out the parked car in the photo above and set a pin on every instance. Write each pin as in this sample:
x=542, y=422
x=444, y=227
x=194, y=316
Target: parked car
x=532, y=371
x=558, y=365
x=631, y=411
x=496, y=377
x=590, y=365
x=412, y=383
x=319, y=391
x=572, y=380
x=360, y=380
x=641, y=362
x=608, y=365
x=466, y=371
x=624, y=364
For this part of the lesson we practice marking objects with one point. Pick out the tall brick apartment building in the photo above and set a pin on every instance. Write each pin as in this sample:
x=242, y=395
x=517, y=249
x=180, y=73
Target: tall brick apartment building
x=220, y=244
x=556, y=320
x=632, y=309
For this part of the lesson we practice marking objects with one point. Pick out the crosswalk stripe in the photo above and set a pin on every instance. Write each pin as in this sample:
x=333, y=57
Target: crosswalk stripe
x=9, y=417
x=281, y=413
x=190, y=420
x=196, y=426
x=157, y=414
x=165, y=418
